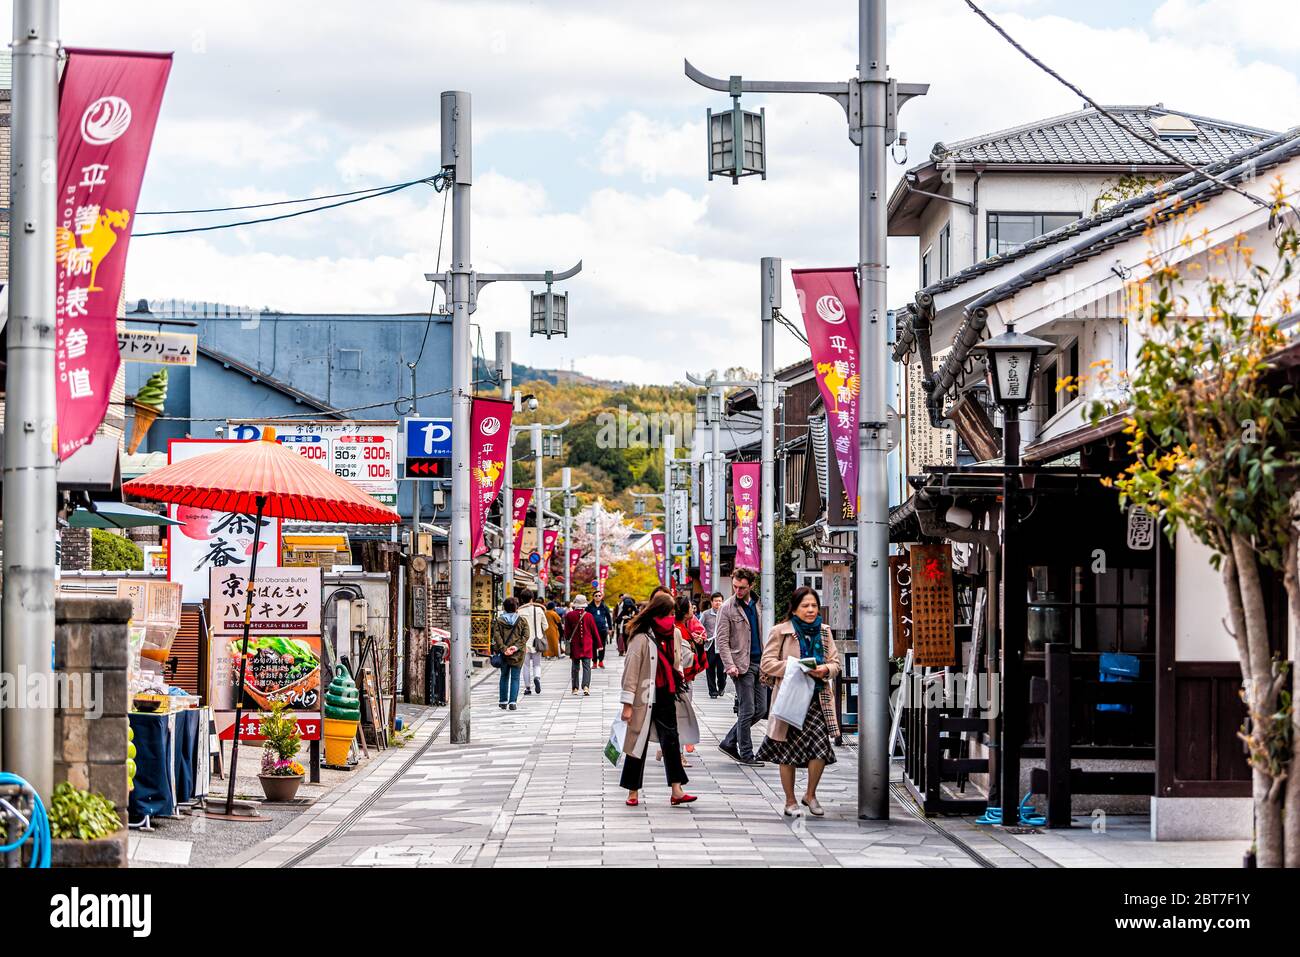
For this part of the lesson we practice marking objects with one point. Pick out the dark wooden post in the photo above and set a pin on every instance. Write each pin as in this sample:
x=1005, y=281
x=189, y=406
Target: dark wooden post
x=1058, y=734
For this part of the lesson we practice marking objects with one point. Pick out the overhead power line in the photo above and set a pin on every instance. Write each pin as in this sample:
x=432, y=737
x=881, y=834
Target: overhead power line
x=279, y=202
x=1149, y=141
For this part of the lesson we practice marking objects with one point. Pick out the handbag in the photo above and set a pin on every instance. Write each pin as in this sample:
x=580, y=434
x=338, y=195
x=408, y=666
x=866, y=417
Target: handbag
x=617, y=736
x=497, y=659
x=795, y=694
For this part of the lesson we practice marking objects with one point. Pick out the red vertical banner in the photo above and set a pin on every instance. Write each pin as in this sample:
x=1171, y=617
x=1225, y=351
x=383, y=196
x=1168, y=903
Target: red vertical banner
x=828, y=299
x=549, y=535
x=523, y=497
x=489, y=431
x=744, y=493
x=660, y=546
x=574, y=555
x=704, y=545
x=604, y=576
x=108, y=107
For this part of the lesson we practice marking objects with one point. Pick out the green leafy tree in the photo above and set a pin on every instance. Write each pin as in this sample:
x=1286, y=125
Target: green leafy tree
x=114, y=553
x=1213, y=452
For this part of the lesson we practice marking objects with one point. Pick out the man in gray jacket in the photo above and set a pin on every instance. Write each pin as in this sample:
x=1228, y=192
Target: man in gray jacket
x=740, y=646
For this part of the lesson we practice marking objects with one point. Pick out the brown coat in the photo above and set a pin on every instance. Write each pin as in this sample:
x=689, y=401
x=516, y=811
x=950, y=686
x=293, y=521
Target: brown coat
x=504, y=635
x=732, y=635
x=552, y=633
x=639, y=668
x=783, y=643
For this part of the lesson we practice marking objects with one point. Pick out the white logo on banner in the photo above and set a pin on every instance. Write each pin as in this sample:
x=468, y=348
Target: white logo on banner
x=490, y=425
x=831, y=309
x=105, y=120
x=747, y=481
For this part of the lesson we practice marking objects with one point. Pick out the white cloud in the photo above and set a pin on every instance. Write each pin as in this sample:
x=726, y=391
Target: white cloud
x=651, y=149
x=1255, y=24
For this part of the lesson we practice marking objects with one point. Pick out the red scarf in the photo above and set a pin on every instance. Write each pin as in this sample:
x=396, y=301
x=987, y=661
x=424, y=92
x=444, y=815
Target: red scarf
x=666, y=676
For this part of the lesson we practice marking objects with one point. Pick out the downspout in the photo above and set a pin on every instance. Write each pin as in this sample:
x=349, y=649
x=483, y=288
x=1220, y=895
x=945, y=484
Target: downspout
x=975, y=216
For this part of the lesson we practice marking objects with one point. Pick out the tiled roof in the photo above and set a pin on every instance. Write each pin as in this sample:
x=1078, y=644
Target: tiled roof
x=1087, y=137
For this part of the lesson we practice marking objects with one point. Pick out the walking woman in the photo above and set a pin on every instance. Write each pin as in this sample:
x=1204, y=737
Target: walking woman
x=510, y=638
x=802, y=635
x=654, y=686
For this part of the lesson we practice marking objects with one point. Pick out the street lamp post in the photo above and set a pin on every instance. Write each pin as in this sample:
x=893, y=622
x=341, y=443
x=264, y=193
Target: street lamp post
x=670, y=450
x=770, y=300
x=461, y=285
x=505, y=371
x=1011, y=359
x=871, y=101
x=566, y=481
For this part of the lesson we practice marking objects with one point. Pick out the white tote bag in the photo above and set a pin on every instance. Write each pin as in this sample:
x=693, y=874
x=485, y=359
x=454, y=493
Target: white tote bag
x=617, y=736
x=797, y=689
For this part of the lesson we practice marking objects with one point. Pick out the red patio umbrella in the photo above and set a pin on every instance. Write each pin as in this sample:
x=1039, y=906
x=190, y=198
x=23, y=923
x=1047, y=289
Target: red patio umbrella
x=262, y=478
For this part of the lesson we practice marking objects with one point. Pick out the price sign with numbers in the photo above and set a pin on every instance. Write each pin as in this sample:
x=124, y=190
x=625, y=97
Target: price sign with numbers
x=362, y=452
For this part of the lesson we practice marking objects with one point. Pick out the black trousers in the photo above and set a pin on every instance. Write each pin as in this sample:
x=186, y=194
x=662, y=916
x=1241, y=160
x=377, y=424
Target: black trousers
x=600, y=650
x=716, y=674
x=664, y=715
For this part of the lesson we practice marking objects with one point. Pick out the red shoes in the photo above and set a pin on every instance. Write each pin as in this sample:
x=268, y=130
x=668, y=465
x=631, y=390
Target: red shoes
x=632, y=802
x=684, y=799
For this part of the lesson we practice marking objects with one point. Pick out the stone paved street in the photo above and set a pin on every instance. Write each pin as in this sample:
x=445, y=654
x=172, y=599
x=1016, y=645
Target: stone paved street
x=533, y=789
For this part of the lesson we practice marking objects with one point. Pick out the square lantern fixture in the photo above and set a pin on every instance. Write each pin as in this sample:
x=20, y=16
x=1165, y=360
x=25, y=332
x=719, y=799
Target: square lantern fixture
x=708, y=407
x=638, y=506
x=550, y=312
x=1012, y=359
x=552, y=446
x=737, y=142
x=570, y=502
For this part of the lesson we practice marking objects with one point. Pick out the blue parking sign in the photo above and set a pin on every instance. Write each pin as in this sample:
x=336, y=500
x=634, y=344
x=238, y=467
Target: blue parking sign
x=427, y=438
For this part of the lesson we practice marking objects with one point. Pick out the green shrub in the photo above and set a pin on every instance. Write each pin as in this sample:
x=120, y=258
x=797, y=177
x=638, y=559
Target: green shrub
x=81, y=814
x=114, y=553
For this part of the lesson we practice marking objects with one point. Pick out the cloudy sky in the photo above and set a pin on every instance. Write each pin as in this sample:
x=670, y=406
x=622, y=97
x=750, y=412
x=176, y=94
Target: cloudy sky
x=590, y=143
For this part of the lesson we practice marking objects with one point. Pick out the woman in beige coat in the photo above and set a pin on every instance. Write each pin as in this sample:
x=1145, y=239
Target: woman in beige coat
x=802, y=636
x=654, y=692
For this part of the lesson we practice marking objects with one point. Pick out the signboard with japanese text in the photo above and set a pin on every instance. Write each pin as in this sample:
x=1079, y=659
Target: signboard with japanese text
x=206, y=539
x=361, y=451
x=900, y=589
x=489, y=434
x=681, y=521
x=519, y=512
x=926, y=445
x=657, y=540
x=158, y=348
x=285, y=600
x=108, y=107
x=154, y=604
x=704, y=548
x=933, y=640
x=744, y=492
x=837, y=585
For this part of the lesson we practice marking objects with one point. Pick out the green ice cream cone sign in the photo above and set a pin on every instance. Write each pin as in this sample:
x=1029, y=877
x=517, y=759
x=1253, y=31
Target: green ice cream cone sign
x=342, y=713
x=149, y=402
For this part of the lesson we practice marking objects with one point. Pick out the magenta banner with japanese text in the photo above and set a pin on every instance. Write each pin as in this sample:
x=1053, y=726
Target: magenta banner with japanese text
x=574, y=555
x=108, y=106
x=604, y=576
x=489, y=431
x=828, y=299
x=523, y=498
x=704, y=545
x=744, y=493
x=661, y=547
x=549, y=536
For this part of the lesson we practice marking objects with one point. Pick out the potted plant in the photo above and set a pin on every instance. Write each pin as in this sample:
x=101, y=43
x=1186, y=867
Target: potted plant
x=85, y=829
x=281, y=773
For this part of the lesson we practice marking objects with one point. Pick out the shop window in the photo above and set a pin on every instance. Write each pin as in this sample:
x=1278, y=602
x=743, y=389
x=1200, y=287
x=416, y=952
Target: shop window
x=1095, y=612
x=1006, y=231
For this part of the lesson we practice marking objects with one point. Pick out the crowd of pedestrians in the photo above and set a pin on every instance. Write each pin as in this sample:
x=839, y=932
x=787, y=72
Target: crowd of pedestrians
x=667, y=642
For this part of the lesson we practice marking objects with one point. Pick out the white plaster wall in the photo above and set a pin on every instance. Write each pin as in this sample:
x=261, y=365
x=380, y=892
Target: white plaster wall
x=1200, y=606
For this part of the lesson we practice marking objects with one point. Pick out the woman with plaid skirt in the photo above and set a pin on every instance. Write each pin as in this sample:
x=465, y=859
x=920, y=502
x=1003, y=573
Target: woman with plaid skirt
x=801, y=636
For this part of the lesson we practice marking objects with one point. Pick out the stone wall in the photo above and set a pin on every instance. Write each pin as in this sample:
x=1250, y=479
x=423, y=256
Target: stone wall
x=75, y=549
x=90, y=638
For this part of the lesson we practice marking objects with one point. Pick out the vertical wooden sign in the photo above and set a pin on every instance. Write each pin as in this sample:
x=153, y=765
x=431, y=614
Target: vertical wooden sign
x=933, y=641
x=900, y=588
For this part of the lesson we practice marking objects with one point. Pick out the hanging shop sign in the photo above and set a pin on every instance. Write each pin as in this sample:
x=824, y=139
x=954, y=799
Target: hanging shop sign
x=828, y=299
x=158, y=348
x=1140, y=534
x=285, y=600
x=837, y=586
x=900, y=590
x=933, y=639
x=926, y=445
x=206, y=539
x=108, y=107
x=360, y=451
x=744, y=492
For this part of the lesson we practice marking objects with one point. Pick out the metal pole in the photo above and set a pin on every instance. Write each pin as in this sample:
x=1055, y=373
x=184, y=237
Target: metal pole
x=600, y=587
x=770, y=291
x=1014, y=614
x=415, y=486
x=30, y=479
x=872, y=604
x=719, y=499
x=504, y=366
x=566, y=479
x=670, y=444
x=249, y=591
x=539, y=503
x=456, y=153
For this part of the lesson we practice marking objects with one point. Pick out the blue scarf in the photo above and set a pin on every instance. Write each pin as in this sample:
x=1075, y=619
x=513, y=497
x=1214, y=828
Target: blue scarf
x=810, y=638
x=510, y=617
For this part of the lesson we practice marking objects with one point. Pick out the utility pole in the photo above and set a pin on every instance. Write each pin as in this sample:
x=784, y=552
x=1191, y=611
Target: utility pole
x=871, y=101
x=595, y=520
x=415, y=486
x=719, y=495
x=566, y=480
x=670, y=451
x=770, y=295
x=30, y=476
x=503, y=361
x=462, y=286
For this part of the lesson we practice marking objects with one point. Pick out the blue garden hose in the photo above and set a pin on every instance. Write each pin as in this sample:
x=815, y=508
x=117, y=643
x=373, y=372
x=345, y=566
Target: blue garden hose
x=38, y=825
x=1029, y=815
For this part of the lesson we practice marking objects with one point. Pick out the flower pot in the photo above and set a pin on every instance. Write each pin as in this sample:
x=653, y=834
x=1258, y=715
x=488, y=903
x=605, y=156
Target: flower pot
x=280, y=787
x=338, y=736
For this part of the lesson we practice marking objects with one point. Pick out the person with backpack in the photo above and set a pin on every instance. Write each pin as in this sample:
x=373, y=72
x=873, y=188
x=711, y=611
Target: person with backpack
x=509, y=640
x=626, y=610
x=534, y=613
x=604, y=623
x=581, y=635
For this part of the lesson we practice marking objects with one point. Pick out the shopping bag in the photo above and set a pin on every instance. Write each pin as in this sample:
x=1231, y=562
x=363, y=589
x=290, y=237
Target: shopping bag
x=614, y=746
x=792, y=700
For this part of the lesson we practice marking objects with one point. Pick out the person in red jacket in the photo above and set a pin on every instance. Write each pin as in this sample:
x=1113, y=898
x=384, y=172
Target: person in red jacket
x=582, y=635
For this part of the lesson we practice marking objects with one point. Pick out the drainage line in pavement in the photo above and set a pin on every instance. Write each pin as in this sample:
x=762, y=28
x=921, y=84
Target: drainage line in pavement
x=905, y=799
x=379, y=792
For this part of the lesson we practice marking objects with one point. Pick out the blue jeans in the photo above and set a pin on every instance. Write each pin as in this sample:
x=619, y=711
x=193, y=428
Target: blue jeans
x=509, y=684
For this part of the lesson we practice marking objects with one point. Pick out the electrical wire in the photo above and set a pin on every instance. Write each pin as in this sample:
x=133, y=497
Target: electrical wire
x=433, y=181
x=1149, y=141
x=280, y=202
x=291, y=416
